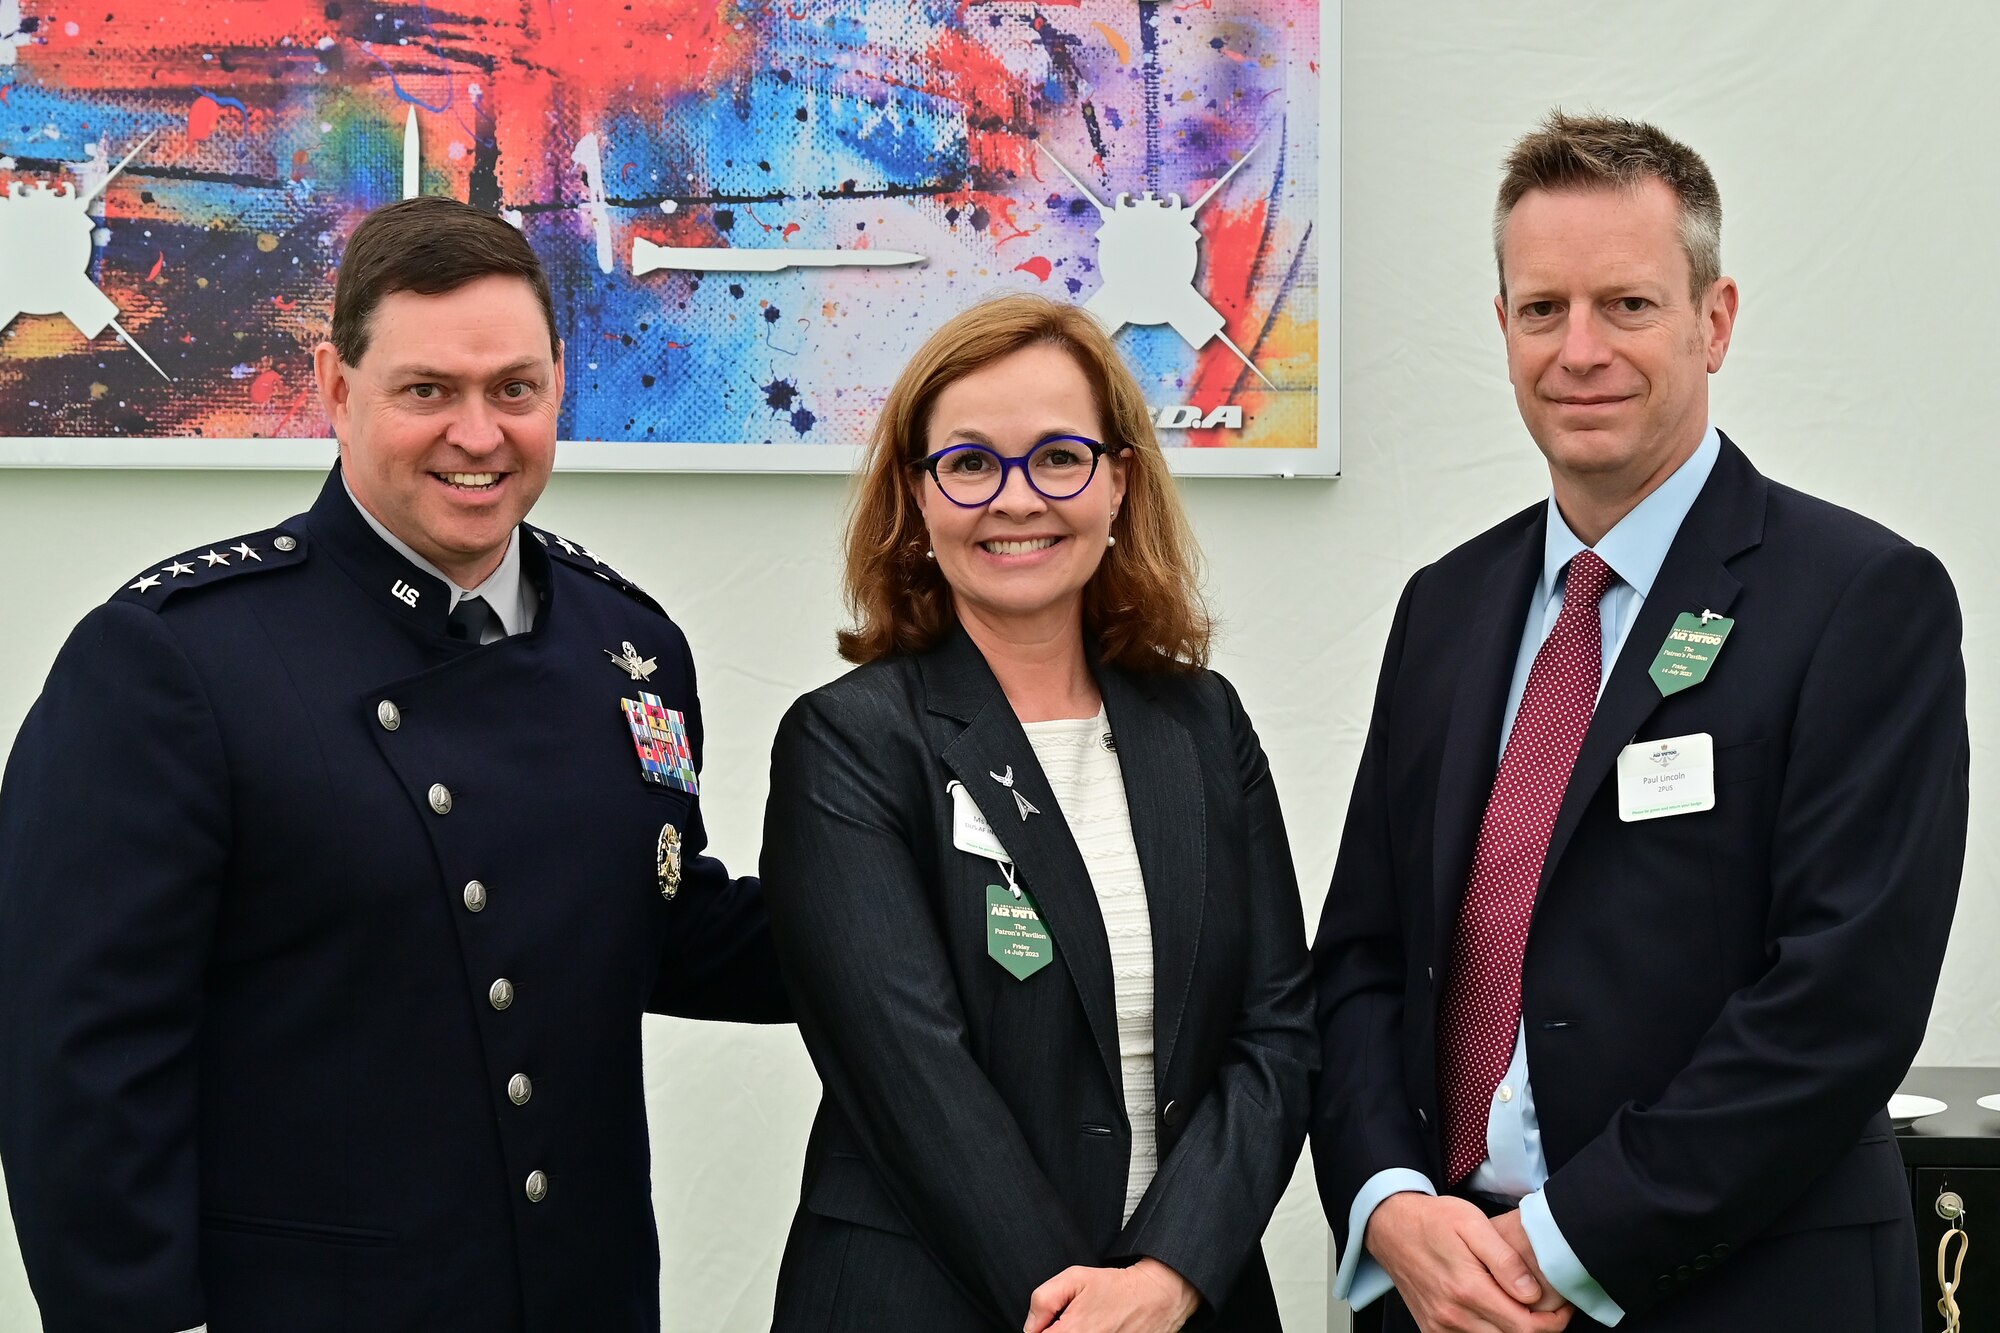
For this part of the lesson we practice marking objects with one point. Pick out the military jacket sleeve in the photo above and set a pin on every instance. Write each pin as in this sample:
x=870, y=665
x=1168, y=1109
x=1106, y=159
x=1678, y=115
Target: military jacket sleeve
x=114, y=830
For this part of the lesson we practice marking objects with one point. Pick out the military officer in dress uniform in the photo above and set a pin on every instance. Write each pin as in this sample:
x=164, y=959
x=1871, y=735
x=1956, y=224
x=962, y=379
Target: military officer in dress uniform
x=338, y=862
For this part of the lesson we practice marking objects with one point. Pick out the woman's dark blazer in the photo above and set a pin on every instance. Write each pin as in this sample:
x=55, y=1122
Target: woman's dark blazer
x=972, y=1141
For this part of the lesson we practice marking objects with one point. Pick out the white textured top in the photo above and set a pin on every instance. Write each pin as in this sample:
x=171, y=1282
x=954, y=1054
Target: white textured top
x=1083, y=771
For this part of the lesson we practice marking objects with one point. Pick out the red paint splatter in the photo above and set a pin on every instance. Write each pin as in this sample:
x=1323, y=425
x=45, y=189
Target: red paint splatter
x=1039, y=266
x=301, y=160
x=202, y=117
x=791, y=228
x=282, y=303
x=6, y=92
x=979, y=79
x=265, y=386
x=625, y=172
x=679, y=347
x=158, y=264
x=1232, y=248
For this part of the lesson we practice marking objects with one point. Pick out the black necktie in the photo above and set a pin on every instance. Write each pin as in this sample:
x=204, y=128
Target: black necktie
x=469, y=619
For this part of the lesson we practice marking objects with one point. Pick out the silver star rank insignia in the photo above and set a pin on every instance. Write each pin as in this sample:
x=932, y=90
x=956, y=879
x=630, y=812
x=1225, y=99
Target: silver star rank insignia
x=637, y=667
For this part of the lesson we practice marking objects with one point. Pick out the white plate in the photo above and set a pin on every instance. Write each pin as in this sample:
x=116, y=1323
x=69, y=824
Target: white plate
x=1905, y=1107
x=1991, y=1101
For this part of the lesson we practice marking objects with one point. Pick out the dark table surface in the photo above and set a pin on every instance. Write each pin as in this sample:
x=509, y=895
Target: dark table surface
x=1963, y=1134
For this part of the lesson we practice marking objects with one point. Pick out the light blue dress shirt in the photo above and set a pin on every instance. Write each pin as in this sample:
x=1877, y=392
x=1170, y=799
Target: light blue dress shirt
x=1515, y=1167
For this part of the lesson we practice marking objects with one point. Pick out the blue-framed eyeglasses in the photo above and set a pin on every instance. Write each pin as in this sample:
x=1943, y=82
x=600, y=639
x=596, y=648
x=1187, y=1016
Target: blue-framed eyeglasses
x=972, y=476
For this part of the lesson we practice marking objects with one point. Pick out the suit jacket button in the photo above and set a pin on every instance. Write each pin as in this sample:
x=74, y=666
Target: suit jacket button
x=1666, y=1282
x=475, y=896
x=1720, y=1252
x=388, y=715
x=1172, y=1115
x=538, y=1187
x=1683, y=1273
x=519, y=1089
x=440, y=798
x=501, y=993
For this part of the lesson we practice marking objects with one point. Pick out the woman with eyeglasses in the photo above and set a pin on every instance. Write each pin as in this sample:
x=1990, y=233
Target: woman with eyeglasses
x=1029, y=881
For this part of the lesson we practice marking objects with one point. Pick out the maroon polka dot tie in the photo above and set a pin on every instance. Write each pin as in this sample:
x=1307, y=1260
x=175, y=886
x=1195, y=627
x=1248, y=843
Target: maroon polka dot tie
x=1482, y=1004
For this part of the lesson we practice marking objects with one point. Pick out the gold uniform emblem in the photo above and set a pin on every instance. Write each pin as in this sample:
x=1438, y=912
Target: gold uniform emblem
x=667, y=861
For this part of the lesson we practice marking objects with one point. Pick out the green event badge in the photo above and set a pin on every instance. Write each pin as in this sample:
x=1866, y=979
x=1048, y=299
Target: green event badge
x=1690, y=650
x=1015, y=935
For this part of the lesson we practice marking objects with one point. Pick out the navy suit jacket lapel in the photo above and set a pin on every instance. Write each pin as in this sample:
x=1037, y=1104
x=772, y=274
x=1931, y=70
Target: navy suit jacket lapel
x=1491, y=640
x=1727, y=518
x=1164, y=794
x=959, y=685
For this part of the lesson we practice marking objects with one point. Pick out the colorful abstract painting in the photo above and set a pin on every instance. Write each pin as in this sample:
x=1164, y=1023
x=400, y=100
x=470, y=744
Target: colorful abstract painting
x=1159, y=161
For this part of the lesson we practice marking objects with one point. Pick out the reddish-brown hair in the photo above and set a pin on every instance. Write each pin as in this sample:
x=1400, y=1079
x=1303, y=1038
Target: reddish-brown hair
x=1142, y=607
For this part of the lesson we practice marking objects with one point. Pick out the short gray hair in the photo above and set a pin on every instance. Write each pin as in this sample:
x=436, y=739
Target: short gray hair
x=1570, y=152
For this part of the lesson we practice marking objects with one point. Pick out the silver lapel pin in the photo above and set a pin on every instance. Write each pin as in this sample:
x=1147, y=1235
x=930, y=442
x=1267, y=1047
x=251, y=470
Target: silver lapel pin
x=633, y=665
x=1021, y=803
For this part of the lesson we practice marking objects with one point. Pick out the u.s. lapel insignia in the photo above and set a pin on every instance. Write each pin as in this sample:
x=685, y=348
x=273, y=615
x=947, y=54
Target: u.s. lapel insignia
x=667, y=861
x=1021, y=803
x=633, y=665
x=660, y=735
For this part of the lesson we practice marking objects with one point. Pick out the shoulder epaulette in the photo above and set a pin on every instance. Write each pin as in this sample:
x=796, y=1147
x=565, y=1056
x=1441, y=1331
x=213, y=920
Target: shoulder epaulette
x=579, y=557
x=273, y=548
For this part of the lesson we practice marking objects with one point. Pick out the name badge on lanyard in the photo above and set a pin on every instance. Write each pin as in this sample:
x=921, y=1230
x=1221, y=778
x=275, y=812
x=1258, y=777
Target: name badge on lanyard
x=1016, y=936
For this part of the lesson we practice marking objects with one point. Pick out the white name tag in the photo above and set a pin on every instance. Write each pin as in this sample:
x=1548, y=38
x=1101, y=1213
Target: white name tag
x=1675, y=776
x=969, y=830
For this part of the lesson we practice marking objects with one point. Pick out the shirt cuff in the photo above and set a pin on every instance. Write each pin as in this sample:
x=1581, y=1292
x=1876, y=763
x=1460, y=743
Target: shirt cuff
x=1560, y=1265
x=1360, y=1280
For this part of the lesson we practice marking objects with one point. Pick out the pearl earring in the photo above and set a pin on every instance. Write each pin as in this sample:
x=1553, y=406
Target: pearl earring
x=1110, y=541
x=930, y=555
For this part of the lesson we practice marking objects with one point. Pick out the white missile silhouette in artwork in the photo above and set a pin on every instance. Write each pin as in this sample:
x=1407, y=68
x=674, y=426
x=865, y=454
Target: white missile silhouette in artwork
x=648, y=257
x=413, y=157
x=1148, y=251
x=45, y=245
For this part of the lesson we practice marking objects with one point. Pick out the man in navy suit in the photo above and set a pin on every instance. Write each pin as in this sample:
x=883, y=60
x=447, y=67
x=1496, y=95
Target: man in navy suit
x=339, y=861
x=1654, y=846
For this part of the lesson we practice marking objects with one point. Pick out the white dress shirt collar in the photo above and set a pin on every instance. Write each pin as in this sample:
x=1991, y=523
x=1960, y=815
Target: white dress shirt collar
x=511, y=597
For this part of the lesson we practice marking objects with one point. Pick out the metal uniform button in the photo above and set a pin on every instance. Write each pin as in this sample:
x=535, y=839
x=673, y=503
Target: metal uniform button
x=1506, y=1093
x=538, y=1186
x=475, y=896
x=388, y=715
x=286, y=544
x=519, y=1089
x=501, y=993
x=440, y=798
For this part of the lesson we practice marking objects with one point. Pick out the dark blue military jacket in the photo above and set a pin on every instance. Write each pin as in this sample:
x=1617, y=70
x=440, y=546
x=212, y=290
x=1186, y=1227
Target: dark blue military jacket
x=324, y=941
